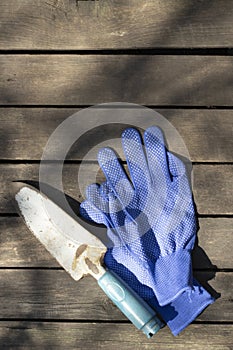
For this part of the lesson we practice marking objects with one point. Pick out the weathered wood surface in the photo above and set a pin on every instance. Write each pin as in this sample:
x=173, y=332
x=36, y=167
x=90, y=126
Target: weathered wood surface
x=53, y=294
x=86, y=336
x=24, y=132
x=33, y=287
x=71, y=24
x=90, y=79
x=212, y=185
x=19, y=248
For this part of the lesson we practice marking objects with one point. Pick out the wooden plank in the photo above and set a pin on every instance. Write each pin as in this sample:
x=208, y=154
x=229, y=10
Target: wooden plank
x=53, y=335
x=212, y=185
x=19, y=248
x=212, y=189
x=214, y=238
x=53, y=294
x=25, y=131
x=91, y=79
x=63, y=24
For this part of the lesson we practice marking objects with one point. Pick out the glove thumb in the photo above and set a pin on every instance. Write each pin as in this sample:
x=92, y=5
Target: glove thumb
x=89, y=212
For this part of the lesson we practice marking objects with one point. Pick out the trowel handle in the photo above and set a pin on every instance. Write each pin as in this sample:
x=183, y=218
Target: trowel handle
x=132, y=306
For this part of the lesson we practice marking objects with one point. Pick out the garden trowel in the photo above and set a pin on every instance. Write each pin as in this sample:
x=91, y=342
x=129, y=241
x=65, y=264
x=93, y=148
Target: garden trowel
x=80, y=253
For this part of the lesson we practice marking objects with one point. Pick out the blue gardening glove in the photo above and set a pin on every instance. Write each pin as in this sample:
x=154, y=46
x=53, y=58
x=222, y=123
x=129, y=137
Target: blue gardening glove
x=178, y=314
x=151, y=221
x=119, y=205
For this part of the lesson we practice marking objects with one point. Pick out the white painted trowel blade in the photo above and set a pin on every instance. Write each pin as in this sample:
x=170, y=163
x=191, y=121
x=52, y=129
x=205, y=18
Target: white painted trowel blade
x=52, y=226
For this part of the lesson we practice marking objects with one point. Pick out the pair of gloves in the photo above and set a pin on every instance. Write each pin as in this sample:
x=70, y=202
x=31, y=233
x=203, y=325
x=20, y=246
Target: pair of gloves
x=152, y=225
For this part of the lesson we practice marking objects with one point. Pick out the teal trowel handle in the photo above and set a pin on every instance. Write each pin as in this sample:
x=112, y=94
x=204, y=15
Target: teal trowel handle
x=132, y=306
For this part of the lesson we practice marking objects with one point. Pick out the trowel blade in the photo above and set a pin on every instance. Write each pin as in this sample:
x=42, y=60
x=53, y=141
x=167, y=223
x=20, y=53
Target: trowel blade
x=56, y=230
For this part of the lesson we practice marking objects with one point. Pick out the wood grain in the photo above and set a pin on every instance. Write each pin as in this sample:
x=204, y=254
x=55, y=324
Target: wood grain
x=91, y=79
x=53, y=294
x=54, y=311
x=19, y=248
x=212, y=188
x=73, y=25
x=55, y=335
x=24, y=133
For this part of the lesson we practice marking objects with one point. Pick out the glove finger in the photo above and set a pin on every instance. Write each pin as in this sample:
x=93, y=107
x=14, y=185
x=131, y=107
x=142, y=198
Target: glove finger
x=118, y=215
x=179, y=176
x=176, y=166
x=156, y=154
x=105, y=189
x=92, y=213
x=114, y=203
x=89, y=212
x=123, y=222
x=117, y=211
x=115, y=174
x=94, y=196
x=135, y=156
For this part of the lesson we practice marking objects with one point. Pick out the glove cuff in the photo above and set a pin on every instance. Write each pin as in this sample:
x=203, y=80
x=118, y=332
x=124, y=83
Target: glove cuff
x=173, y=276
x=185, y=308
